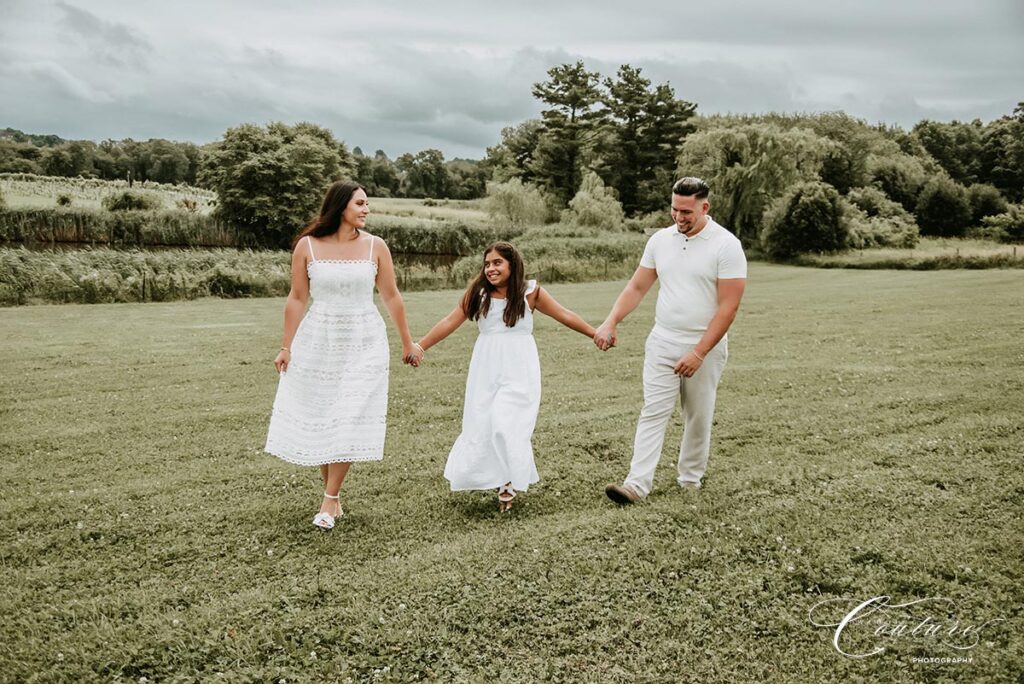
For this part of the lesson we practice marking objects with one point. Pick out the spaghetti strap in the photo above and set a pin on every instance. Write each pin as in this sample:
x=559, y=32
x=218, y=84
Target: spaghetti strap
x=372, y=240
x=309, y=243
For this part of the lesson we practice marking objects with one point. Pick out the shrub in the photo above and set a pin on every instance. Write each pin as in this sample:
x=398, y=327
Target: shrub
x=130, y=201
x=1008, y=226
x=595, y=205
x=188, y=204
x=874, y=202
x=63, y=200
x=985, y=200
x=879, y=229
x=515, y=203
x=644, y=223
x=808, y=218
x=874, y=220
x=943, y=208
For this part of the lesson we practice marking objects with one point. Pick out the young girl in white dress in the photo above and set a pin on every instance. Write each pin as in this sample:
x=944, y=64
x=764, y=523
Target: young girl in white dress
x=503, y=385
x=332, y=398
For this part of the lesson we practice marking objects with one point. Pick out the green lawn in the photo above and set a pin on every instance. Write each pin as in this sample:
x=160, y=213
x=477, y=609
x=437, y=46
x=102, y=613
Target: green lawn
x=930, y=252
x=868, y=442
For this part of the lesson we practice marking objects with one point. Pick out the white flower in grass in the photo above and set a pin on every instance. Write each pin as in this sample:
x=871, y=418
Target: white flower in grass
x=312, y=655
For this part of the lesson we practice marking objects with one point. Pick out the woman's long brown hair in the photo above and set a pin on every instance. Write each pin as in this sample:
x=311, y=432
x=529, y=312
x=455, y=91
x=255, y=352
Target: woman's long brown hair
x=331, y=210
x=476, y=302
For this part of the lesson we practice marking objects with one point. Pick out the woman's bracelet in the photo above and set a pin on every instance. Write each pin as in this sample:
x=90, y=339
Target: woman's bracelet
x=417, y=345
x=697, y=355
x=286, y=349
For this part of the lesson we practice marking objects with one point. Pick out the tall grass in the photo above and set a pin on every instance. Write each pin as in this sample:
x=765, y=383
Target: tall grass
x=185, y=229
x=116, y=229
x=106, y=275
x=573, y=254
x=103, y=275
x=410, y=235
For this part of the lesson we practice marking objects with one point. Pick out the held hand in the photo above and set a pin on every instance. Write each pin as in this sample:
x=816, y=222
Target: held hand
x=281, y=360
x=413, y=355
x=605, y=337
x=688, y=364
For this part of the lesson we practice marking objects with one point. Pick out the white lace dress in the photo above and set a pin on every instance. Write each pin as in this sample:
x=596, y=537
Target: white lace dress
x=331, y=403
x=500, y=410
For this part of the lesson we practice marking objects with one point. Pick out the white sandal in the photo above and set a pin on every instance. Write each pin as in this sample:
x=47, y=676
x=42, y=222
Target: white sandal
x=505, y=496
x=325, y=521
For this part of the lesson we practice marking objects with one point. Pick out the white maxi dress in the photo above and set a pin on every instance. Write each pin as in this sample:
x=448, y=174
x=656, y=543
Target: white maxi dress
x=501, y=405
x=331, y=403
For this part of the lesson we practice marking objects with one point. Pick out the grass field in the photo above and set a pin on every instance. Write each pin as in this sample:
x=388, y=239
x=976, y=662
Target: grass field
x=38, y=192
x=867, y=442
x=471, y=212
x=931, y=252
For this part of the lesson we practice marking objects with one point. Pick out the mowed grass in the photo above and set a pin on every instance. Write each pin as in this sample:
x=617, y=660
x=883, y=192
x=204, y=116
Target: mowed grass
x=471, y=212
x=867, y=442
x=928, y=250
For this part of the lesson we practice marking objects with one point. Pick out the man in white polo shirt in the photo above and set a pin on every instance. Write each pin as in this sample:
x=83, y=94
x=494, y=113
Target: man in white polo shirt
x=702, y=271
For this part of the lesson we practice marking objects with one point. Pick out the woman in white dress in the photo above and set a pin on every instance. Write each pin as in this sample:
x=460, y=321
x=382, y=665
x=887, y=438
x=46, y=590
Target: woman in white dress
x=503, y=385
x=332, y=397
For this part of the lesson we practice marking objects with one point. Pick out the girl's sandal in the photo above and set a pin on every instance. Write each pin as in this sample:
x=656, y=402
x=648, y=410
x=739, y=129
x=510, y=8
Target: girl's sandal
x=325, y=521
x=505, y=496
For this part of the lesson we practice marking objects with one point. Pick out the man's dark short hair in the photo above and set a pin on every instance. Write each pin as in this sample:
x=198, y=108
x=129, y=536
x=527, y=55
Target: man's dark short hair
x=690, y=186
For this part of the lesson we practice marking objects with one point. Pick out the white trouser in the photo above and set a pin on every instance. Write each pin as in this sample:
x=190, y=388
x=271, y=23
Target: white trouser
x=661, y=388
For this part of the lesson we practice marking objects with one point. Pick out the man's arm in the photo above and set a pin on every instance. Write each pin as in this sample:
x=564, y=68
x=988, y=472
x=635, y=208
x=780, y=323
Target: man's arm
x=730, y=292
x=630, y=297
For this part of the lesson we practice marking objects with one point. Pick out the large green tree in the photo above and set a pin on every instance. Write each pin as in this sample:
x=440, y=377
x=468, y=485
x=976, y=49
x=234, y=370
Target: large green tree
x=956, y=146
x=270, y=180
x=378, y=174
x=645, y=129
x=424, y=174
x=513, y=156
x=572, y=123
x=1002, y=154
x=748, y=166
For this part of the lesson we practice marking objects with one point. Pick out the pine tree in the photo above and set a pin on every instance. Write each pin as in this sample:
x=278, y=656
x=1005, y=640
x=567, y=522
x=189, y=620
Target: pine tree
x=571, y=123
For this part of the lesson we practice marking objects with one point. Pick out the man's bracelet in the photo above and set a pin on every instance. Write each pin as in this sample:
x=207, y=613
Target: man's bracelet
x=286, y=349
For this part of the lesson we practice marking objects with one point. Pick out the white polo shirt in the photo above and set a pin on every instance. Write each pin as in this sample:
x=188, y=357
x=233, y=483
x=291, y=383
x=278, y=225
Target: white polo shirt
x=689, y=270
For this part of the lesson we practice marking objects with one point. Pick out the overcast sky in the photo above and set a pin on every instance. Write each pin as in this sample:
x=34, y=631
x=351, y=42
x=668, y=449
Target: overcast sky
x=404, y=76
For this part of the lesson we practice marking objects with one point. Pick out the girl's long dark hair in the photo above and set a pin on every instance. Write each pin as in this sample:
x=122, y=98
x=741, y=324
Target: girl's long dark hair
x=476, y=302
x=329, y=221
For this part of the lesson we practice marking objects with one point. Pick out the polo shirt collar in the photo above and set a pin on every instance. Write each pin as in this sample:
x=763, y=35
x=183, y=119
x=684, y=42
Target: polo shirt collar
x=704, y=234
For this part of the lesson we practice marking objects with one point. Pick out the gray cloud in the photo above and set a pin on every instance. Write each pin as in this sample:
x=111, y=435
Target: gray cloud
x=451, y=74
x=108, y=42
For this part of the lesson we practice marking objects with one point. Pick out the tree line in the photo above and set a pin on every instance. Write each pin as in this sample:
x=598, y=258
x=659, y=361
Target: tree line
x=420, y=175
x=604, y=153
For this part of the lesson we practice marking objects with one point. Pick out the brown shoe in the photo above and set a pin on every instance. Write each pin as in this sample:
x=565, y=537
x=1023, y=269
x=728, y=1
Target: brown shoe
x=622, y=494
